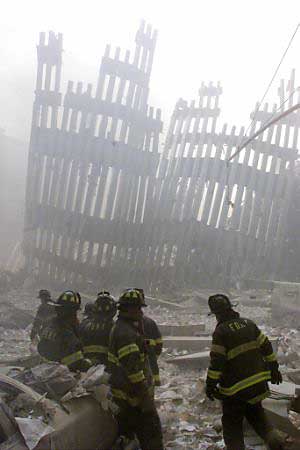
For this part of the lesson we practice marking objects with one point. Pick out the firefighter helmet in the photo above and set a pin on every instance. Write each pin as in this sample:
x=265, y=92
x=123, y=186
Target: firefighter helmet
x=69, y=300
x=141, y=291
x=219, y=303
x=132, y=297
x=105, y=304
x=89, y=309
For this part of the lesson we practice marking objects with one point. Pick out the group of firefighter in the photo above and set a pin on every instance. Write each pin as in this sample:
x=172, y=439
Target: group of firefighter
x=118, y=335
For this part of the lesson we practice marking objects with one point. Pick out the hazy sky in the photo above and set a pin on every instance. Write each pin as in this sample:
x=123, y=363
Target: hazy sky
x=238, y=42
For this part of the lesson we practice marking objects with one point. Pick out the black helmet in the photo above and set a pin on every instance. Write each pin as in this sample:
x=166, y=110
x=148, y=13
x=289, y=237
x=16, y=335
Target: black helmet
x=44, y=294
x=89, y=309
x=132, y=297
x=69, y=300
x=105, y=304
x=219, y=303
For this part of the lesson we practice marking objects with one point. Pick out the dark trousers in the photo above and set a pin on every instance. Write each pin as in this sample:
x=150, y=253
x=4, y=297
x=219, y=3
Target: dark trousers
x=145, y=426
x=234, y=412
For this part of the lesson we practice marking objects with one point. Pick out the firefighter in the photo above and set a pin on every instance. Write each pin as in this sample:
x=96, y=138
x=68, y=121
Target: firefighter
x=88, y=313
x=44, y=314
x=242, y=362
x=154, y=343
x=60, y=338
x=89, y=310
x=131, y=379
x=94, y=330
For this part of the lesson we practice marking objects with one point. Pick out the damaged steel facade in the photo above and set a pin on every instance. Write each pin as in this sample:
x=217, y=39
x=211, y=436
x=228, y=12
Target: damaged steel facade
x=91, y=178
x=102, y=203
x=229, y=220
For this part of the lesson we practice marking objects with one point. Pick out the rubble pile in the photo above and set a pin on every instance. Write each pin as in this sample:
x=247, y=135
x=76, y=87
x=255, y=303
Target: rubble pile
x=67, y=399
x=14, y=343
x=189, y=419
x=16, y=316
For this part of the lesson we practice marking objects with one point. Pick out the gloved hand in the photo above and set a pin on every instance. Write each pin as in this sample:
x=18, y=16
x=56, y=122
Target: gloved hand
x=212, y=392
x=276, y=377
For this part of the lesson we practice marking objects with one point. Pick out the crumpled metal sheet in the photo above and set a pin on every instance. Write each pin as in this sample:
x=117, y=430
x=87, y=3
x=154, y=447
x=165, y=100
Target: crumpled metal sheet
x=82, y=425
x=33, y=430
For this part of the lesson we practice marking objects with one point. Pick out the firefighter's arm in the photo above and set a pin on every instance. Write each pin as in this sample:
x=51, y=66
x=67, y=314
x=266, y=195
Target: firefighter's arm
x=130, y=358
x=73, y=355
x=265, y=346
x=218, y=359
x=269, y=356
x=153, y=337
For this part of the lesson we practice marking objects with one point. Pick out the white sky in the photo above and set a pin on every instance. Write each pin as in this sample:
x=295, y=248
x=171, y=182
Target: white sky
x=235, y=41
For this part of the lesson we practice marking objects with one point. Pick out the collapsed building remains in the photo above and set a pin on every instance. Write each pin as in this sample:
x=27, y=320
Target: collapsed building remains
x=103, y=202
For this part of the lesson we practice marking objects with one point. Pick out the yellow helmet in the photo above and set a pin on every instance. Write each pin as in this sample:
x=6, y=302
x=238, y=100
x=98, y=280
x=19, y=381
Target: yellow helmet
x=70, y=300
x=132, y=297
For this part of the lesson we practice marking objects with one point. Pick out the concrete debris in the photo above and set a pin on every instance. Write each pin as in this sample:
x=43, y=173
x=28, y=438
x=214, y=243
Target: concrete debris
x=33, y=430
x=192, y=361
x=185, y=412
x=190, y=343
x=166, y=303
x=79, y=423
x=293, y=375
x=51, y=378
x=182, y=330
x=14, y=344
x=94, y=377
x=277, y=407
x=285, y=303
x=254, y=298
x=14, y=318
x=94, y=383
